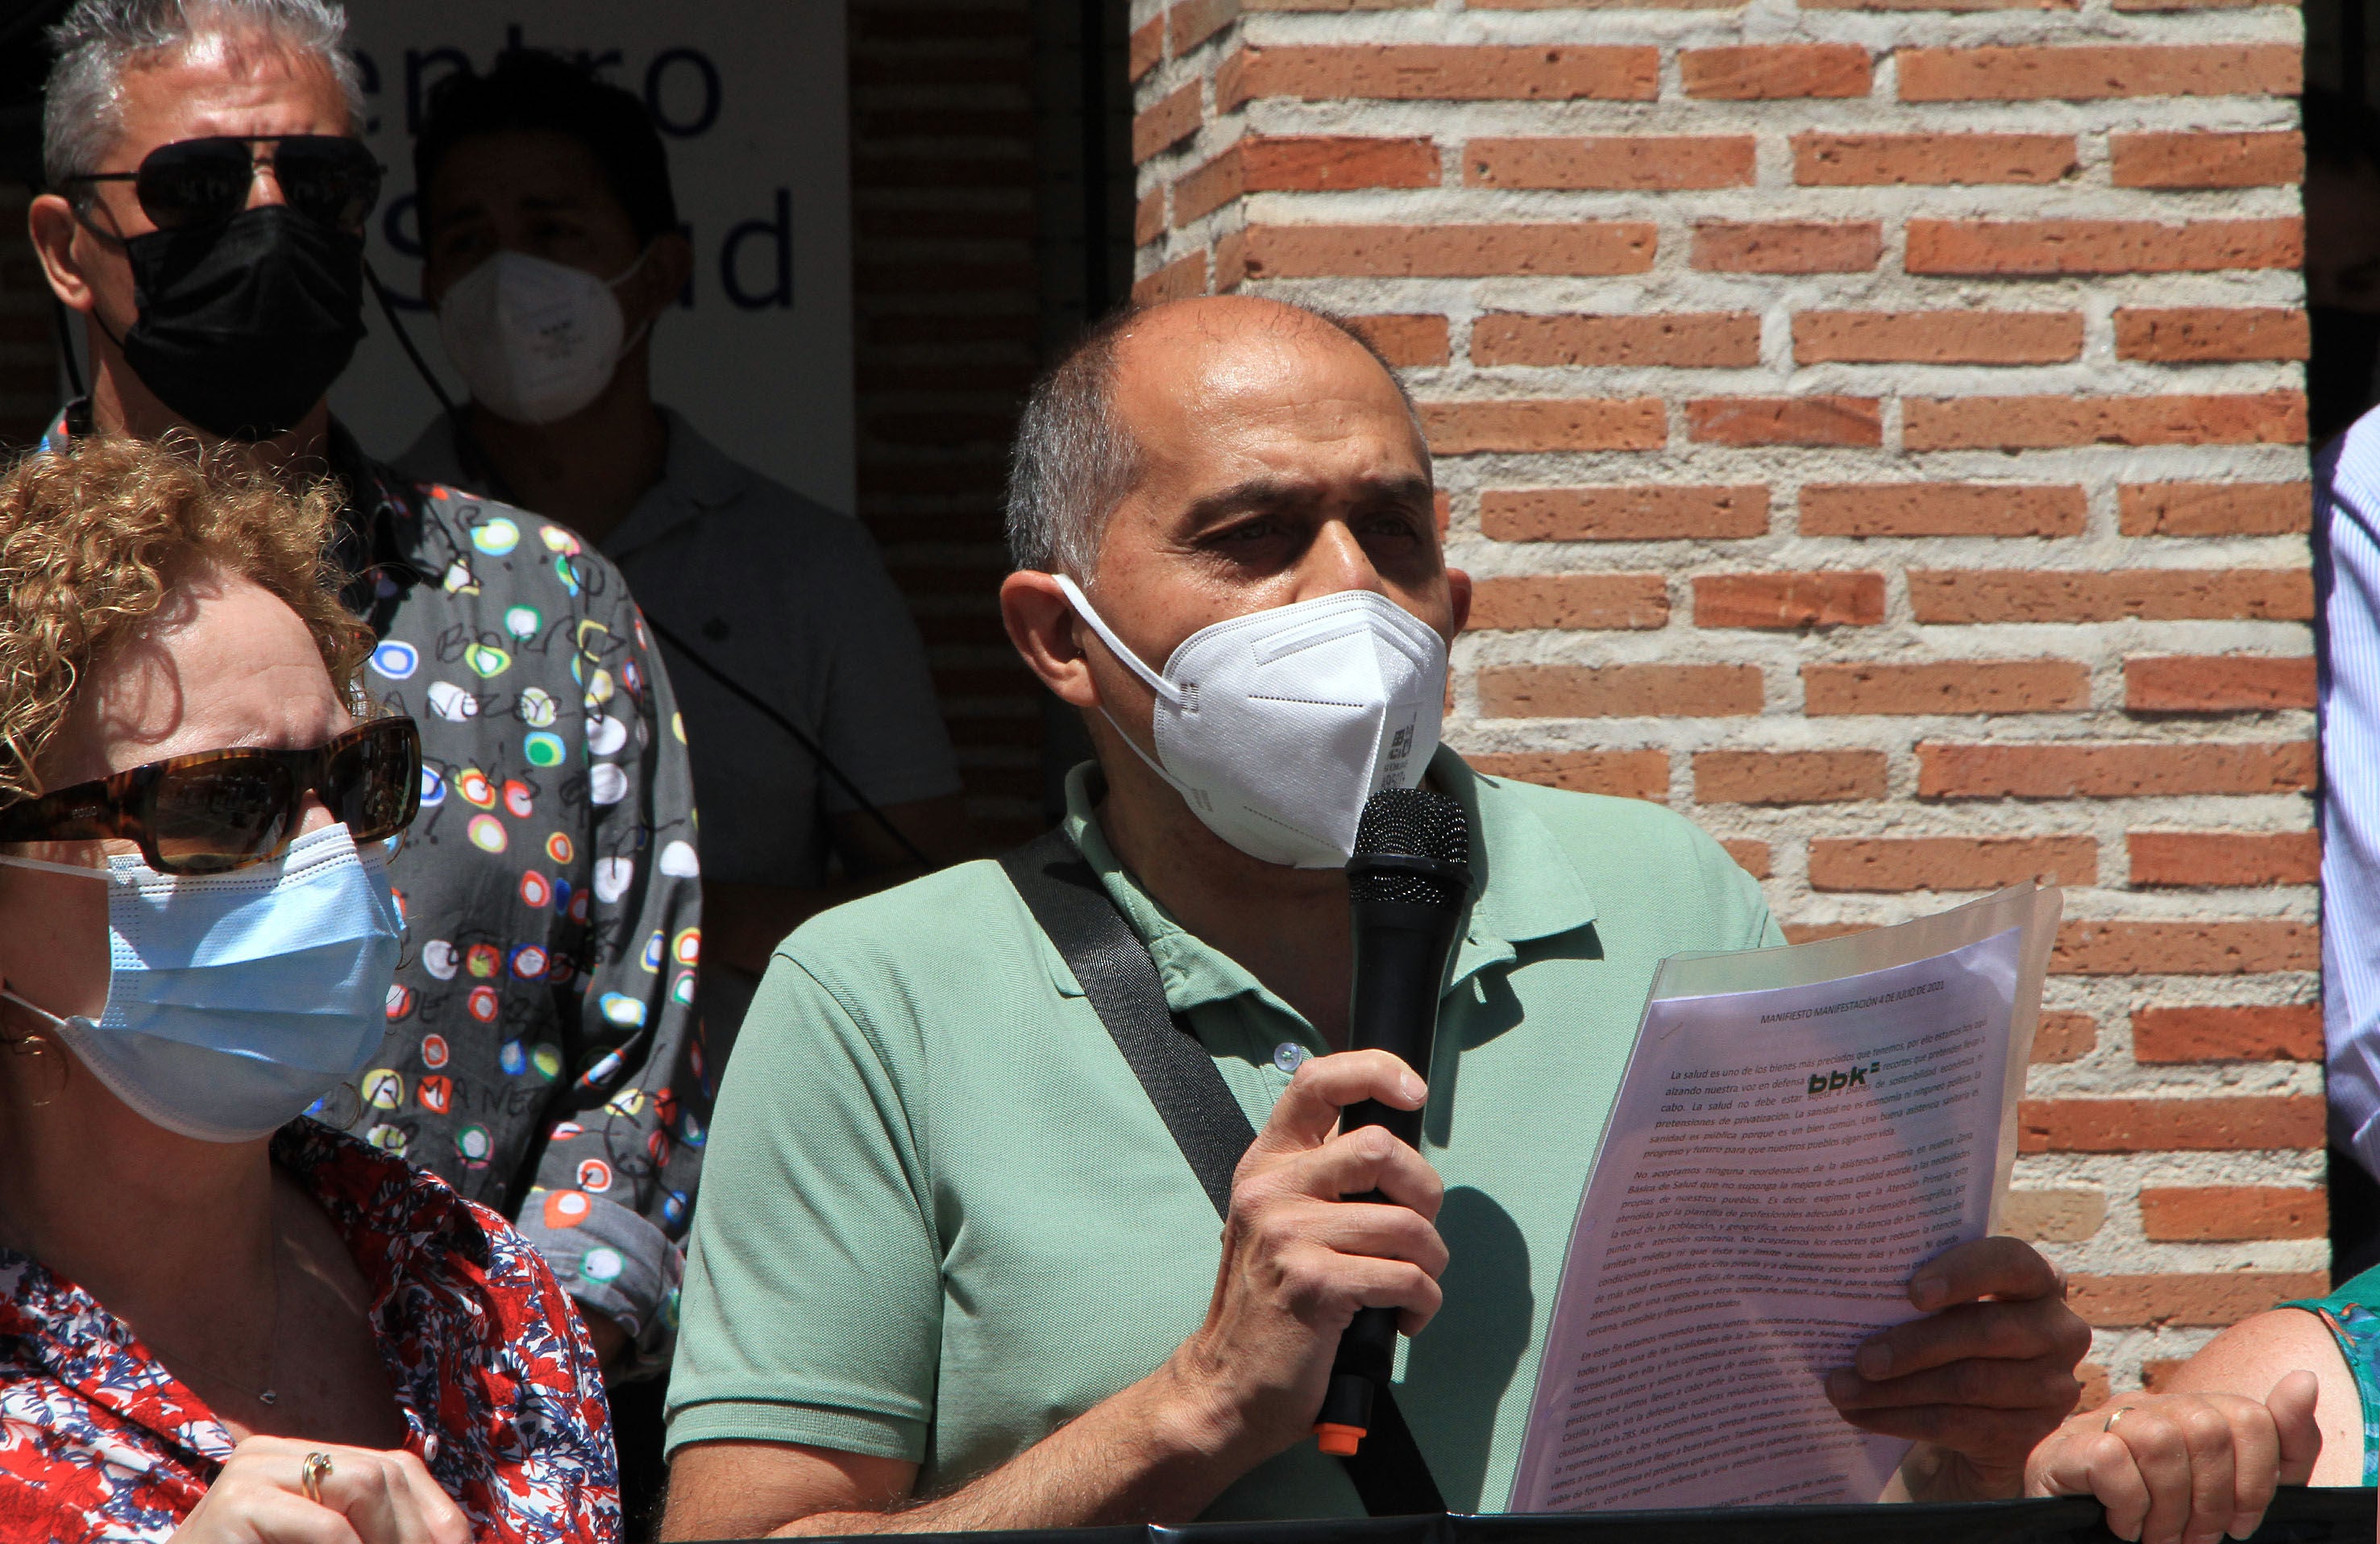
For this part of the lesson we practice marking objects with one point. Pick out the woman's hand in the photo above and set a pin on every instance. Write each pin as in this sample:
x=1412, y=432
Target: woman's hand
x=367, y=1498
x=2184, y=1468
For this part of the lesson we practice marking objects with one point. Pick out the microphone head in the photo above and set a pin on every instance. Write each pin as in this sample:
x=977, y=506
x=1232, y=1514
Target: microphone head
x=1428, y=832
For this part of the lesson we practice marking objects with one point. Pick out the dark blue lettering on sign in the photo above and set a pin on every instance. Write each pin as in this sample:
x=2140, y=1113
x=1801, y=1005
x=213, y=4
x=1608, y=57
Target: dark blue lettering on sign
x=777, y=238
x=657, y=76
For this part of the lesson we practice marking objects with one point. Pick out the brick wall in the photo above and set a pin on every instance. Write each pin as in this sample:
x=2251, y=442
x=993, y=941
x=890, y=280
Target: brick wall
x=947, y=334
x=1875, y=432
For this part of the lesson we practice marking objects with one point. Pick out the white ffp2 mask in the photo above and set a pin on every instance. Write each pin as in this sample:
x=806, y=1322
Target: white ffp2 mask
x=1277, y=725
x=535, y=341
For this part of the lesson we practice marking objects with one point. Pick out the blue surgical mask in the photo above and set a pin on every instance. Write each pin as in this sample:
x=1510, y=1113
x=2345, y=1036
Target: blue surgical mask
x=235, y=1001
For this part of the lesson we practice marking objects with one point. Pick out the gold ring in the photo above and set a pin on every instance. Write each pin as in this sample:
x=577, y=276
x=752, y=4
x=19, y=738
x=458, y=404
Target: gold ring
x=2121, y=1411
x=312, y=1474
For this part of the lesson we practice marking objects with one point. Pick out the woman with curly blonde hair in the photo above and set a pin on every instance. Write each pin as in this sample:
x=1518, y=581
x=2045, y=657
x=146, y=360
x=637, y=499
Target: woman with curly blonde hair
x=220, y=1320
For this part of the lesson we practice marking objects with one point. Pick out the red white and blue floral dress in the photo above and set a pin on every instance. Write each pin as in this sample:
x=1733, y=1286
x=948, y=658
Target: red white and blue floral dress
x=502, y=1394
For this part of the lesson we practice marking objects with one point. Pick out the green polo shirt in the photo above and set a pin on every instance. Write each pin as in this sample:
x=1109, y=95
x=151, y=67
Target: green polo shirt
x=940, y=1217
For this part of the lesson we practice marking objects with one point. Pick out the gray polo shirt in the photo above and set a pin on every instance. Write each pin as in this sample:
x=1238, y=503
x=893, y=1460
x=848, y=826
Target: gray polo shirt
x=791, y=601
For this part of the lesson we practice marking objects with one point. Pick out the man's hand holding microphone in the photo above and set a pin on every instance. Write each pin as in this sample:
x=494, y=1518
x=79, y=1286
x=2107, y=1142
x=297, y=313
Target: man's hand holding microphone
x=1299, y=1260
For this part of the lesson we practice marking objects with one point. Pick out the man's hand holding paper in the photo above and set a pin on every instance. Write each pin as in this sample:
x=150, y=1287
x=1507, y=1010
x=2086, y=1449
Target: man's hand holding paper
x=1980, y=1381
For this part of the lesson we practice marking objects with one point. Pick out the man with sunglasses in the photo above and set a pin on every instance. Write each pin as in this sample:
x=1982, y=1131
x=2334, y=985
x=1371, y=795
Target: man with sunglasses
x=207, y=194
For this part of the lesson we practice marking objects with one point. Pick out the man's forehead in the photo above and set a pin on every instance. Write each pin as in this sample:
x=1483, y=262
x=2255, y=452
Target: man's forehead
x=230, y=82
x=1192, y=373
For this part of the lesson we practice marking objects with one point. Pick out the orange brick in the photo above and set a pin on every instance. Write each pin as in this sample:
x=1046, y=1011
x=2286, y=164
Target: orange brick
x=2137, y=771
x=1967, y=596
x=1535, y=5
x=1148, y=217
x=1938, y=337
x=1176, y=281
x=1322, y=163
x=1635, y=775
x=1584, y=601
x=1950, y=687
x=1980, y=248
x=1656, y=513
x=1789, y=601
x=1812, y=932
x=1750, y=856
x=1304, y=163
x=2231, y=1123
x=1146, y=49
x=2026, y=74
x=1191, y=22
x=2096, y=1387
x=2215, y=1298
x=2061, y=1037
x=1621, y=161
x=2272, y=158
x=1940, y=509
x=2221, y=857
x=2051, y=422
x=1709, y=340
x=2288, y=1033
x=2214, y=509
x=2197, y=333
x=1788, y=776
x=1938, y=4
x=1773, y=71
x=2219, y=684
x=2233, y=1213
x=1952, y=862
x=2156, y=1376
x=1465, y=428
x=1231, y=260
x=1447, y=251
x=1621, y=691
x=1172, y=120
x=2197, y=948
x=1405, y=341
x=1788, y=246
x=1208, y=188
x=1868, y=160
x=1785, y=420
x=1432, y=72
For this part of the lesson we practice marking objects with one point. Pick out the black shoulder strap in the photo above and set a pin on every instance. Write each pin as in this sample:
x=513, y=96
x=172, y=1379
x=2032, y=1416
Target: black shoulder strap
x=1115, y=972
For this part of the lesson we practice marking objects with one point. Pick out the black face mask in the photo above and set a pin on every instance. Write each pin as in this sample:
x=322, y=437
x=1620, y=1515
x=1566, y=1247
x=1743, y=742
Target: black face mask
x=244, y=325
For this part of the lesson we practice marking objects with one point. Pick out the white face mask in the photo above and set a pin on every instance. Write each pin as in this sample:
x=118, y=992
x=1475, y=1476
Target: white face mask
x=535, y=341
x=1277, y=725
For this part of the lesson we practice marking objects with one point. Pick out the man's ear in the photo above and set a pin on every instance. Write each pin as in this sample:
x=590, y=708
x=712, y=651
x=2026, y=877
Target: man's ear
x=51, y=222
x=669, y=263
x=1458, y=595
x=1041, y=623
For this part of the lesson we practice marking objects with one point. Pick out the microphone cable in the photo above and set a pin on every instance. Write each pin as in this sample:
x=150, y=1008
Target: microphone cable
x=735, y=689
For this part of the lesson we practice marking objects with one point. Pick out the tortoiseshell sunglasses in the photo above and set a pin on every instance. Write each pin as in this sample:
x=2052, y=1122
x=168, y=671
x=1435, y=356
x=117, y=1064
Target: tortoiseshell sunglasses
x=215, y=811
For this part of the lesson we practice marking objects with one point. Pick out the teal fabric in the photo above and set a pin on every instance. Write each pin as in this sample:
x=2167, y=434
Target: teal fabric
x=2355, y=1323
x=940, y=1217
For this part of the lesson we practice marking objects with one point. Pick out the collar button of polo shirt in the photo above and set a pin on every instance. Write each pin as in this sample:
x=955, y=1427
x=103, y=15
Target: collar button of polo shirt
x=1289, y=1056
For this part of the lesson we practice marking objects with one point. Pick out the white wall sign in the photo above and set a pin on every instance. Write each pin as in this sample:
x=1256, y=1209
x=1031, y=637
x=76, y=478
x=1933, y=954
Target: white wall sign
x=749, y=97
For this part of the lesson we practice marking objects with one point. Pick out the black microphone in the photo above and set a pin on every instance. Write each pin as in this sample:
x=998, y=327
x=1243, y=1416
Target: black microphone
x=1406, y=884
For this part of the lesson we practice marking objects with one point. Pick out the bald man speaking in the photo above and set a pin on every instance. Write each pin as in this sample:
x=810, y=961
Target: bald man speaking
x=951, y=1270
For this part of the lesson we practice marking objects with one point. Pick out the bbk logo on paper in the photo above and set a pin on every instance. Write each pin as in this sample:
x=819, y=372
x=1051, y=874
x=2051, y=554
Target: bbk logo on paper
x=1835, y=1082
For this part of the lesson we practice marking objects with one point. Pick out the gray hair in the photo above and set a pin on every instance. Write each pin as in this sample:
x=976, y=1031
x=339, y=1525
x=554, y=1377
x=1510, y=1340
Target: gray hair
x=1075, y=459
x=82, y=103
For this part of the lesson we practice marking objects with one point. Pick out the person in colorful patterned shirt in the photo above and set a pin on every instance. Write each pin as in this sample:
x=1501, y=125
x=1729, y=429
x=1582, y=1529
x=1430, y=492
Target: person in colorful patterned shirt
x=220, y=1320
x=207, y=193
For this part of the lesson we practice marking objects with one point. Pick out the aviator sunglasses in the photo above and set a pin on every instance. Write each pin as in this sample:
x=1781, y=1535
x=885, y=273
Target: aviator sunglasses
x=215, y=811
x=326, y=177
